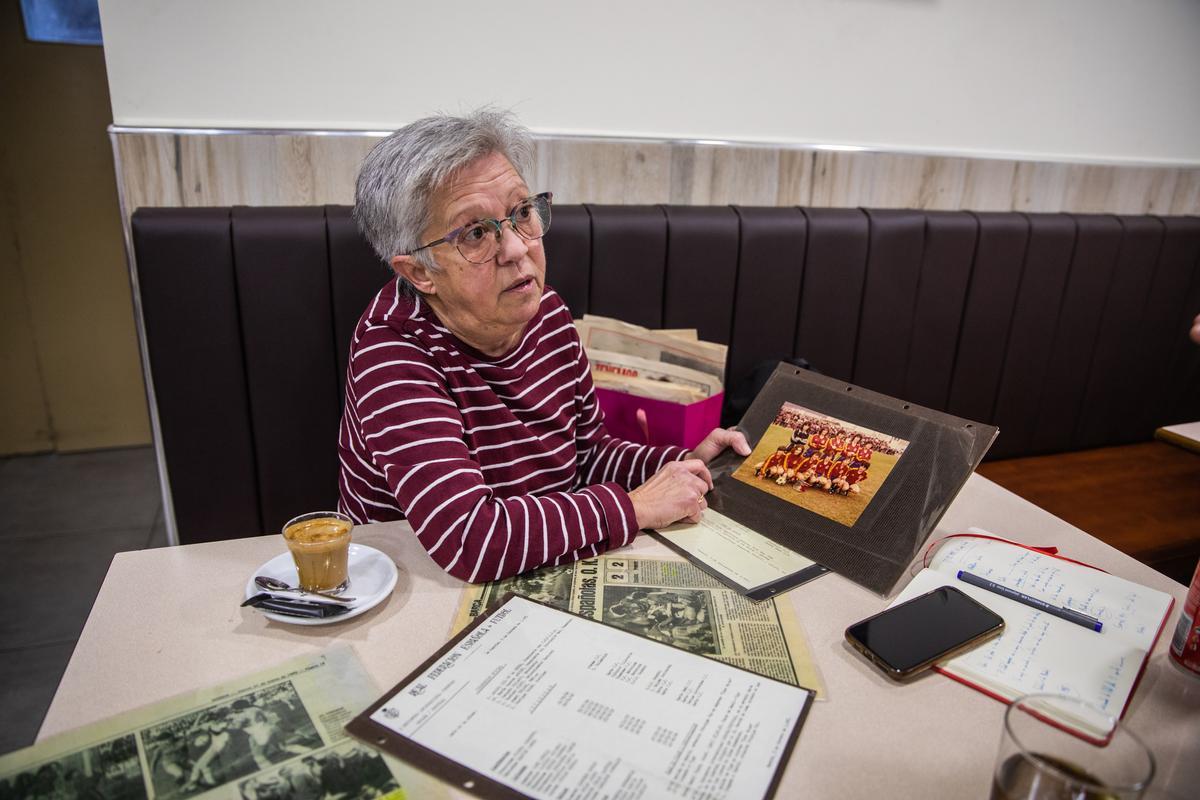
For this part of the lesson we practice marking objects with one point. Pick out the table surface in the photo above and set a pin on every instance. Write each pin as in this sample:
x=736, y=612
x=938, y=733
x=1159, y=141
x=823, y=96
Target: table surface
x=167, y=621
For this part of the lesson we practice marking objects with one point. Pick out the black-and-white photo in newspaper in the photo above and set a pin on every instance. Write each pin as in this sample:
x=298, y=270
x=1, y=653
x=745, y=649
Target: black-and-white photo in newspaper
x=277, y=733
x=224, y=742
x=668, y=600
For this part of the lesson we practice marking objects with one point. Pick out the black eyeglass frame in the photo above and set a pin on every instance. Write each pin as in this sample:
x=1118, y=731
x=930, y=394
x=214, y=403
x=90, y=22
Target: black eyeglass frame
x=496, y=225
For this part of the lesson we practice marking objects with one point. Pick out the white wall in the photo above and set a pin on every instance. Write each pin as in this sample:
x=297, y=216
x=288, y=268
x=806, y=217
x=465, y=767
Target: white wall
x=1106, y=80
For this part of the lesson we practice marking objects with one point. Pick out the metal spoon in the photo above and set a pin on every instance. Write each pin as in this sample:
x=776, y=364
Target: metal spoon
x=273, y=585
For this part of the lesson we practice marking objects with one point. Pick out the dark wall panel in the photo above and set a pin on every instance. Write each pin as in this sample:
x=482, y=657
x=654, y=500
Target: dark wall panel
x=629, y=249
x=702, y=263
x=937, y=315
x=282, y=272
x=1095, y=257
x=1166, y=321
x=356, y=275
x=1034, y=321
x=194, y=342
x=1118, y=363
x=1066, y=331
x=767, y=300
x=1183, y=385
x=831, y=296
x=895, y=252
x=569, y=256
x=999, y=257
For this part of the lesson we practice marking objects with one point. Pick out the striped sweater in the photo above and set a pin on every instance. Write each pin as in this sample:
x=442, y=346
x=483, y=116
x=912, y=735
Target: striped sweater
x=500, y=464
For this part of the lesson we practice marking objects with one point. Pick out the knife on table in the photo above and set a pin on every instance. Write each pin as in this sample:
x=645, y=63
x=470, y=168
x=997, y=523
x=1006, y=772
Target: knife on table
x=294, y=608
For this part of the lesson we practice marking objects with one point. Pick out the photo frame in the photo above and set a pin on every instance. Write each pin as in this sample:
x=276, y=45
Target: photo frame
x=939, y=453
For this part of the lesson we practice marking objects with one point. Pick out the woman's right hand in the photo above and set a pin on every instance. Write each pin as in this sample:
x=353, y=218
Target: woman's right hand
x=676, y=492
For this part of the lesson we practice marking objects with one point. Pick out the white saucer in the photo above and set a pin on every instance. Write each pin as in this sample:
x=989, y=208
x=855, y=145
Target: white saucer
x=372, y=578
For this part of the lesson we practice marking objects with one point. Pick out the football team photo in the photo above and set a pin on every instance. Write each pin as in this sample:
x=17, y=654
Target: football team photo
x=829, y=466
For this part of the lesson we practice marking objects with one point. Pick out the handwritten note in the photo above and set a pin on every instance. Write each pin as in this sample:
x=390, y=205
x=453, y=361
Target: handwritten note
x=1129, y=611
x=1039, y=652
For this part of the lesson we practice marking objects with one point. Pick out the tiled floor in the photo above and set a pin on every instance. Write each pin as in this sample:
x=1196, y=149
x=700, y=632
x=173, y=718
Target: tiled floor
x=62, y=518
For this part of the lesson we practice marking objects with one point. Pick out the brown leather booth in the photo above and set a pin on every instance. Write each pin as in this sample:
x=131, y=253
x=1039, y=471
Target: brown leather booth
x=1066, y=331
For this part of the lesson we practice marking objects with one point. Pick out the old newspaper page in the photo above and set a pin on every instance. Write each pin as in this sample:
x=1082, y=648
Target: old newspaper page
x=672, y=601
x=601, y=333
x=274, y=734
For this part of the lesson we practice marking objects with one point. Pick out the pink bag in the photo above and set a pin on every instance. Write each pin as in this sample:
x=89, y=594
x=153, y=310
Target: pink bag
x=666, y=422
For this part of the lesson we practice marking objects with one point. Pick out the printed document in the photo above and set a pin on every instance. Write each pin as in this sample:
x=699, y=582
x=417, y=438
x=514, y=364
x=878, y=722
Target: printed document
x=553, y=705
x=729, y=548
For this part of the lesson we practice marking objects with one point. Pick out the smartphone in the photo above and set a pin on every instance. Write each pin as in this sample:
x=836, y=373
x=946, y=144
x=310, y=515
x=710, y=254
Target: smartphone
x=914, y=635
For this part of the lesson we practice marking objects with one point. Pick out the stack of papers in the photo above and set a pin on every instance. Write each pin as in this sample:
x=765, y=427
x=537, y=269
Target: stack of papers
x=667, y=364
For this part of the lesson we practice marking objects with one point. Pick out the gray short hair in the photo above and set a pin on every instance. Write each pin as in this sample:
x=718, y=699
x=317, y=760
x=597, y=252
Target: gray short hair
x=399, y=177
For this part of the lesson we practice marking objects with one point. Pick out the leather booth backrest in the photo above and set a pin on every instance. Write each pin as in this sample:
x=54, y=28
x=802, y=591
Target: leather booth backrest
x=1066, y=331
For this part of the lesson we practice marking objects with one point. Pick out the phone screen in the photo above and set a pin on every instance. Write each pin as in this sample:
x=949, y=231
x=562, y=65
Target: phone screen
x=922, y=630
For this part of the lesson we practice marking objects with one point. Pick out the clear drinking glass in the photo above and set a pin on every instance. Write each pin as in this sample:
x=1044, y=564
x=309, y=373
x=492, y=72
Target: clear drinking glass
x=320, y=545
x=1040, y=761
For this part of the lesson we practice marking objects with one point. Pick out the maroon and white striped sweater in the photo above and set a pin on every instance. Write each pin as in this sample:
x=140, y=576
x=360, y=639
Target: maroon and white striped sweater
x=500, y=464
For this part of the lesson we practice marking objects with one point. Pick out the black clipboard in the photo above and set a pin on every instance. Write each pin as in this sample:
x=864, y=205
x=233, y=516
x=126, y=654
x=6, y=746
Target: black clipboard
x=467, y=779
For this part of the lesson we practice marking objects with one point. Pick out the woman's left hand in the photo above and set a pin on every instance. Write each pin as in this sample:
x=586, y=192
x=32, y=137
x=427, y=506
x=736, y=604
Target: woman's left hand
x=716, y=442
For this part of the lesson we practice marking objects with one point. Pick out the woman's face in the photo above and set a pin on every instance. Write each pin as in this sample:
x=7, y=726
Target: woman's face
x=488, y=300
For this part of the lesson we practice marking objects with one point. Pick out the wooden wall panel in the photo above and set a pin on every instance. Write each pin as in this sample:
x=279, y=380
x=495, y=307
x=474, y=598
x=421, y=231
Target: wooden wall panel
x=796, y=178
x=715, y=175
x=618, y=173
x=199, y=169
x=1186, y=197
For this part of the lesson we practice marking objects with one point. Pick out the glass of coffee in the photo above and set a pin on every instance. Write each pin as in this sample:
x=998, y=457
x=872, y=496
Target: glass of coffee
x=320, y=545
x=1039, y=760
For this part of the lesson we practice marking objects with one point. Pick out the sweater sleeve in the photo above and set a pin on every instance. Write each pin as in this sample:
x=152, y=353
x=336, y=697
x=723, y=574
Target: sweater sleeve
x=402, y=409
x=603, y=457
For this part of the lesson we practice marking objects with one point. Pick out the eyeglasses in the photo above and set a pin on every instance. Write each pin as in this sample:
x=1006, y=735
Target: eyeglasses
x=479, y=240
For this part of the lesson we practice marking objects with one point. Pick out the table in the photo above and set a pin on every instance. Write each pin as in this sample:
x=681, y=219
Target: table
x=167, y=621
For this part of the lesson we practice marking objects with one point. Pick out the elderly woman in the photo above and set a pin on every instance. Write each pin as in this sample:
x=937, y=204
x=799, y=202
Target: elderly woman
x=469, y=402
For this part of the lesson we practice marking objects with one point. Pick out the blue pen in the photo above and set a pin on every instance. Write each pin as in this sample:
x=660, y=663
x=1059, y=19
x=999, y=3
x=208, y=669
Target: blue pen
x=1070, y=615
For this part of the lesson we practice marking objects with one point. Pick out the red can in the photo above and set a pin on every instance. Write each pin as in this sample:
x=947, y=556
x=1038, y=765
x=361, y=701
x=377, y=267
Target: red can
x=1185, y=644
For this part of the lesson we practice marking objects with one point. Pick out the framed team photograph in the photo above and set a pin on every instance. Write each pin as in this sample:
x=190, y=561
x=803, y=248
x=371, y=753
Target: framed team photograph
x=850, y=478
x=828, y=465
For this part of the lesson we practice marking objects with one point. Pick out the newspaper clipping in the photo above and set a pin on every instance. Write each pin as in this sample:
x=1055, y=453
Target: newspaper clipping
x=276, y=734
x=672, y=365
x=671, y=601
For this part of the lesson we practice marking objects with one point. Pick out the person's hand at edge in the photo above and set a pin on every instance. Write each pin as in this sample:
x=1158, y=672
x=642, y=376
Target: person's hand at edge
x=675, y=493
x=1195, y=333
x=716, y=442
